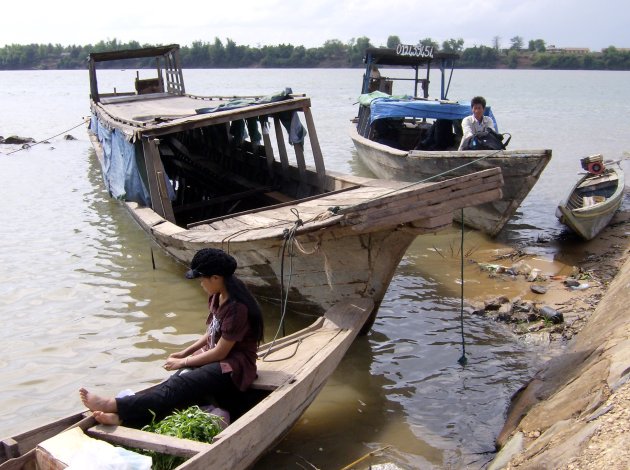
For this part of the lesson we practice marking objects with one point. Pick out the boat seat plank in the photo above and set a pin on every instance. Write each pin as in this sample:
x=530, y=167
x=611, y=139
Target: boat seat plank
x=120, y=435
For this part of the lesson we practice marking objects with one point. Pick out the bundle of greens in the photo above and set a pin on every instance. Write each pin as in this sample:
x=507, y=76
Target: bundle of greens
x=192, y=423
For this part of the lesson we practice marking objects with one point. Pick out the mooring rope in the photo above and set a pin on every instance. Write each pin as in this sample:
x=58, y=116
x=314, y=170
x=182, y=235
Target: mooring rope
x=462, y=360
x=288, y=241
x=28, y=146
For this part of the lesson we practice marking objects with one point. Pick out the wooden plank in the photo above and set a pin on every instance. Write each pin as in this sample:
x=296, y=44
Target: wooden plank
x=10, y=447
x=331, y=194
x=128, y=437
x=301, y=163
x=420, y=189
x=282, y=149
x=155, y=174
x=400, y=217
x=264, y=124
x=317, y=151
x=21, y=462
x=220, y=117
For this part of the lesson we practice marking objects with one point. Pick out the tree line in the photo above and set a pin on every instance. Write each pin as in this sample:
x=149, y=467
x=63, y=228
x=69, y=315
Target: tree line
x=333, y=53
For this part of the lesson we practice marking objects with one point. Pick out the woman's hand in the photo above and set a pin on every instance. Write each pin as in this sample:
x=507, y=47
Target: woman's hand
x=174, y=363
x=177, y=355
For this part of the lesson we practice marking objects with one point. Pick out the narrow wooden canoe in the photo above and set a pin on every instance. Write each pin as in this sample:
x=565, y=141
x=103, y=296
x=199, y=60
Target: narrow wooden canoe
x=521, y=170
x=291, y=373
x=592, y=202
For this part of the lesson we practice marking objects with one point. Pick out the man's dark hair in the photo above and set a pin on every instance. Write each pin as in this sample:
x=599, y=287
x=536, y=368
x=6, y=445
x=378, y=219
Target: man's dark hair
x=478, y=100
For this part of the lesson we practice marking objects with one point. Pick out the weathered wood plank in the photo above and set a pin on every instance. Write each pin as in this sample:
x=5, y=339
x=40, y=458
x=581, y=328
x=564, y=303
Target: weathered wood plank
x=317, y=151
x=264, y=124
x=121, y=435
x=282, y=148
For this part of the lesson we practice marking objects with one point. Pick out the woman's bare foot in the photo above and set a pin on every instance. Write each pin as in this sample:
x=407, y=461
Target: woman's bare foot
x=95, y=402
x=107, y=418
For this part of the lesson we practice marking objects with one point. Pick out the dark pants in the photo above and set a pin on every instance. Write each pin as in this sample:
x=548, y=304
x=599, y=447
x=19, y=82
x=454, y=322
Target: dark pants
x=198, y=386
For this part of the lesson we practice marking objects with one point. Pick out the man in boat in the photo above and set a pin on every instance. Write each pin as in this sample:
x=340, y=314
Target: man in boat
x=220, y=366
x=476, y=122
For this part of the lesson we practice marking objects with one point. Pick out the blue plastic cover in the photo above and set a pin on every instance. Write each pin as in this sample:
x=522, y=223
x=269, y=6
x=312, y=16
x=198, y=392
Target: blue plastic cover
x=120, y=170
x=391, y=108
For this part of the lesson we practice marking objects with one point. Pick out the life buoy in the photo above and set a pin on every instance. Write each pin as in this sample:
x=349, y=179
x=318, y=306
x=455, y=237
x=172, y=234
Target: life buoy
x=595, y=168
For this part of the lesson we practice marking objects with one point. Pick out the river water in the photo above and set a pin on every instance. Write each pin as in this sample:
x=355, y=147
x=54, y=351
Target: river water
x=81, y=304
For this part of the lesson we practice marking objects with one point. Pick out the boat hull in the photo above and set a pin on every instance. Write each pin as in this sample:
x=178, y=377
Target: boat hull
x=299, y=366
x=520, y=168
x=588, y=221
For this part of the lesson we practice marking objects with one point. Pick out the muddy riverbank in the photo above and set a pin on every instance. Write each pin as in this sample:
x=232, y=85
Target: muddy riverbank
x=575, y=412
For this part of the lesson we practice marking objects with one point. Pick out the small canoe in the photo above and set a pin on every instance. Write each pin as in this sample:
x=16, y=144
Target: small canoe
x=592, y=202
x=291, y=373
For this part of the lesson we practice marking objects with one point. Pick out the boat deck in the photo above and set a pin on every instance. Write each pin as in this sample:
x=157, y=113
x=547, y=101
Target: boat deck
x=164, y=113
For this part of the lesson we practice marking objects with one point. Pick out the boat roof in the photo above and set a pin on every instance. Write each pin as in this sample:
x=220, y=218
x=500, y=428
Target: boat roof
x=405, y=55
x=165, y=113
x=133, y=53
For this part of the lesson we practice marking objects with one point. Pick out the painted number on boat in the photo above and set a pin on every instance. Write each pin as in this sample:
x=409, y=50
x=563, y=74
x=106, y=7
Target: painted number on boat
x=414, y=51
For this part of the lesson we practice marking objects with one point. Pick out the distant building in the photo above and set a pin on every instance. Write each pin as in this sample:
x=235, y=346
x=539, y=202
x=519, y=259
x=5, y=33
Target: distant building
x=568, y=50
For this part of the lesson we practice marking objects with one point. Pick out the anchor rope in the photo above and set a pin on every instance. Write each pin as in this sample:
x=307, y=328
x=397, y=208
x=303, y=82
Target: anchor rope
x=287, y=247
x=28, y=146
x=462, y=360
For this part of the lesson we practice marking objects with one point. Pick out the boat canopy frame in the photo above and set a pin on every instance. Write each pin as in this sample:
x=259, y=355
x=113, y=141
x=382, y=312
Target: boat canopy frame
x=416, y=57
x=167, y=63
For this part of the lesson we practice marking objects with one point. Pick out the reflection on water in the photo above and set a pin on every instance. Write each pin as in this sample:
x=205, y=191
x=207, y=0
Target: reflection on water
x=83, y=306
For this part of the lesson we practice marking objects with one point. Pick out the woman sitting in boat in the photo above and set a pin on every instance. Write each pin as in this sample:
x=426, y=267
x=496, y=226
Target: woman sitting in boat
x=476, y=122
x=219, y=366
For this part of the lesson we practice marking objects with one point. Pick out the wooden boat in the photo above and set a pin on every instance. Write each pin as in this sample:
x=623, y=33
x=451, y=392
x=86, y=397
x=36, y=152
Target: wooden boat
x=594, y=199
x=291, y=372
x=191, y=180
x=417, y=139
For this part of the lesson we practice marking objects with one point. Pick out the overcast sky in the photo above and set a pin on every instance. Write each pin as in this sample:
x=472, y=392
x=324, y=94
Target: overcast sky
x=563, y=23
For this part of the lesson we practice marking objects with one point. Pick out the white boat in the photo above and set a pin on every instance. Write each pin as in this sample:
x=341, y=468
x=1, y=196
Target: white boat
x=416, y=138
x=192, y=180
x=594, y=199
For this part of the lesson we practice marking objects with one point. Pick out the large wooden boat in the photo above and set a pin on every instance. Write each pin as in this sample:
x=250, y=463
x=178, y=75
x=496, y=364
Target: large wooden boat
x=415, y=138
x=291, y=372
x=594, y=199
x=191, y=180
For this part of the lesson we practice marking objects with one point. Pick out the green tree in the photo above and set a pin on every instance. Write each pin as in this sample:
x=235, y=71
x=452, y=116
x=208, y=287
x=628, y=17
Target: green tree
x=512, y=59
x=393, y=41
x=430, y=43
x=496, y=43
x=453, y=45
x=516, y=43
x=537, y=45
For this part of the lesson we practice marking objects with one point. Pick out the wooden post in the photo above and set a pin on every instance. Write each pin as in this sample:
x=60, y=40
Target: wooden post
x=317, y=151
x=93, y=81
x=160, y=202
x=282, y=149
x=264, y=127
x=301, y=164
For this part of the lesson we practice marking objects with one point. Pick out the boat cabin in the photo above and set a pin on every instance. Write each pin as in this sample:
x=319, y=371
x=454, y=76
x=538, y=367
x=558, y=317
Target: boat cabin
x=410, y=122
x=196, y=159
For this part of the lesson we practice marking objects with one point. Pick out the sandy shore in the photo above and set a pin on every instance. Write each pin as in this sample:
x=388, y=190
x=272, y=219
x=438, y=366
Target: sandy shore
x=575, y=412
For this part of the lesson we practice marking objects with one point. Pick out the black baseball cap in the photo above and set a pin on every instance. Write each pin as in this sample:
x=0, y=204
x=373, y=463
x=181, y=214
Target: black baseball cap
x=210, y=262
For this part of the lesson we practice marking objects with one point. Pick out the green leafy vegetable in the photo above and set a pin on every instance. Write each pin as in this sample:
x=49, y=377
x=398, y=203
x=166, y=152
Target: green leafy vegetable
x=192, y=423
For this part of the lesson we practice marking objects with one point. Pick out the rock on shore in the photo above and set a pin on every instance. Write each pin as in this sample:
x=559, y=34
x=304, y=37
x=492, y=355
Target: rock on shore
x=575, y=413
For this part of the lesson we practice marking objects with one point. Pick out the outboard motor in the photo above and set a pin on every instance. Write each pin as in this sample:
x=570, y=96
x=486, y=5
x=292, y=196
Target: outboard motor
x=594, y=164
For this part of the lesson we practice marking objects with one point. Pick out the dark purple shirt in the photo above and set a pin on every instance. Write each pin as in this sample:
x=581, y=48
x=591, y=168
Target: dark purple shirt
x=231, y=322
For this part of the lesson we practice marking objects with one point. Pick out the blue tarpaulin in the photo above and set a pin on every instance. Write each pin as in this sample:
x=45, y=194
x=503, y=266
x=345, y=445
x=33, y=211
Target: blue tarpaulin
x=391, y=108
x=120, y=170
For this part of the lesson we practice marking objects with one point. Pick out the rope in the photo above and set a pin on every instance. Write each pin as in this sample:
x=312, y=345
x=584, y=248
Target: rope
x=49, y=138
x=288, y=241
x=462, y=360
